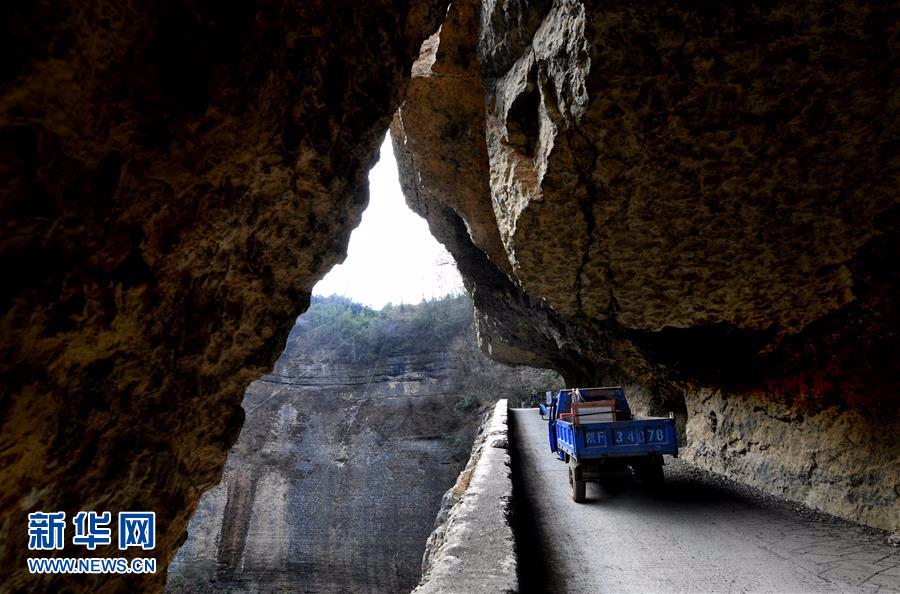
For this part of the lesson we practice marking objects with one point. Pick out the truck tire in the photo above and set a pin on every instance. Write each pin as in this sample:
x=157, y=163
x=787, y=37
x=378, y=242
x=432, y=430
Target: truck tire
x=578, y=486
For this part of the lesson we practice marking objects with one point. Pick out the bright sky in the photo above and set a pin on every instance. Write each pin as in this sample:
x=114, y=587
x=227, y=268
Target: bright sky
x=392, y=257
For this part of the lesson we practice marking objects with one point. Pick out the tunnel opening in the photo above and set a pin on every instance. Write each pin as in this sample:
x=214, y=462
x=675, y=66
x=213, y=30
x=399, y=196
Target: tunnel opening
x=367, y=418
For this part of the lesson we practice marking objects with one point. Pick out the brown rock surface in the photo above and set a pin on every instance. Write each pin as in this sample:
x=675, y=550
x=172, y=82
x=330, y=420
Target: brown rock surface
x=175, y=177
x=698, y=201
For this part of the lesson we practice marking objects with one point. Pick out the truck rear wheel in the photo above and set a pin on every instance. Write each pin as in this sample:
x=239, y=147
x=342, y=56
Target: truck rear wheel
x=578, y=486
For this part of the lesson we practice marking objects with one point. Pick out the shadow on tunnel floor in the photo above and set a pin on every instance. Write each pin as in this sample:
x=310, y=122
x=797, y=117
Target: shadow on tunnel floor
x=678, y=489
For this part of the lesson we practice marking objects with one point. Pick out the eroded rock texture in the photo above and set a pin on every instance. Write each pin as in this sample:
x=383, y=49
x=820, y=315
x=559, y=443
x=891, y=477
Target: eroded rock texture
x=335, y=481
x=174, y=178
x=699, y=201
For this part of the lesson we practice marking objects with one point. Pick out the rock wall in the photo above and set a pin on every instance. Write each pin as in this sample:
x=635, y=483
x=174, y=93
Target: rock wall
x=334, y=482
x=174, y=178
x=699, y=202
x=841, y=461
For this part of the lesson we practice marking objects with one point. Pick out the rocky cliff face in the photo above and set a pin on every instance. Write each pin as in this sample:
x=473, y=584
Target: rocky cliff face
x=700, y=202
x=334, y=482
x=175, y=178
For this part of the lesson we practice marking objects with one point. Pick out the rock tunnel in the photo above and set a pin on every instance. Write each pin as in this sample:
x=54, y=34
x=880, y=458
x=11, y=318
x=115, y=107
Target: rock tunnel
x=698, y=202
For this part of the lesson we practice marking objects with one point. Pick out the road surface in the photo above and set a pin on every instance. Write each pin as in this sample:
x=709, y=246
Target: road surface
x=701, y=534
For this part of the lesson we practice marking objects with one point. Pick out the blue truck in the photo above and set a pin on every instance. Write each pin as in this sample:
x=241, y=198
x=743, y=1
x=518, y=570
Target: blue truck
x=594, y=431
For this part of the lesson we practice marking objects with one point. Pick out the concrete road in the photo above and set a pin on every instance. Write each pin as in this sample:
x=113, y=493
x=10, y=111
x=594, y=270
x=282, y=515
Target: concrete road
x=700, y=534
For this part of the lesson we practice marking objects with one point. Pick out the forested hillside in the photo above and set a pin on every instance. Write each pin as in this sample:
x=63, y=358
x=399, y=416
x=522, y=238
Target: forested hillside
x=339, y=330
